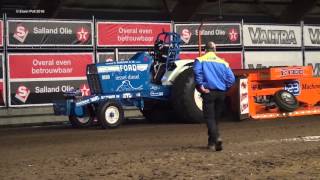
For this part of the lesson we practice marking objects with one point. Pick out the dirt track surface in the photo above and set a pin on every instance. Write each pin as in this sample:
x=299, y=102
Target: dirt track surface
x=252, y=150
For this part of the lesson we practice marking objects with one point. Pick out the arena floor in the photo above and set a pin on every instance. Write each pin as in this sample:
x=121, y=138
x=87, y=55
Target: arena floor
x=274, y=149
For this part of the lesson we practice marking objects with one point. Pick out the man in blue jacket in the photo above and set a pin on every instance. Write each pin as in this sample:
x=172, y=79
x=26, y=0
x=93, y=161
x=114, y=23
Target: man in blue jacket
x=213, y=77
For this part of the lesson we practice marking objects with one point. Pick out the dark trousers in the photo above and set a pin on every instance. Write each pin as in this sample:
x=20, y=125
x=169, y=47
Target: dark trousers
x=213, y=104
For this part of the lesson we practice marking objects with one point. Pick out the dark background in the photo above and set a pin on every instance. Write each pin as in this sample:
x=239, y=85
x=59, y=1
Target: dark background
x=266, y=11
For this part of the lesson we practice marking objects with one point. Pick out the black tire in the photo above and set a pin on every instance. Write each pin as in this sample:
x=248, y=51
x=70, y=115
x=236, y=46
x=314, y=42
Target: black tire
x=83, y=121
x=110, y=114
x=183, y=98
x=286, y=101
x=156, y=111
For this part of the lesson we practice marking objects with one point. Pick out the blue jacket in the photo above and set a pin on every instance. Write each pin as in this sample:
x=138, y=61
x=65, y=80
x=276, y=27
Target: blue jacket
x=212, y=72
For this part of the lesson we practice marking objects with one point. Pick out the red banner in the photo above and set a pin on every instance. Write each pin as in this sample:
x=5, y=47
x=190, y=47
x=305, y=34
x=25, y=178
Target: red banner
x=48, y=65
x=129, y=34
x=2, y=82
x=233, y=58
x=1, y=33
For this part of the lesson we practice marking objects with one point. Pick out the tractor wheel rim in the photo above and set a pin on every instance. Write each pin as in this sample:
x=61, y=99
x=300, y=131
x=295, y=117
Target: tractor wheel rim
x=83, y=120
x=198, y=99
x=288, y=98
x=112, y=115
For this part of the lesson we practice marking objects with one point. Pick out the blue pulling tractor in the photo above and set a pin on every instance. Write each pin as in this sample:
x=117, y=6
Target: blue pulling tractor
x=159, y=84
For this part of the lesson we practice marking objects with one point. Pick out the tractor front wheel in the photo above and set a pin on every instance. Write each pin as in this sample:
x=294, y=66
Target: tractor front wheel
x=286, y=101
x=110, y=114
x=83, y=121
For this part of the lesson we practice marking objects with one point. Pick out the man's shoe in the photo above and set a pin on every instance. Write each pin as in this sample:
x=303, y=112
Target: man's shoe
x=219, y=145
x=211, y=148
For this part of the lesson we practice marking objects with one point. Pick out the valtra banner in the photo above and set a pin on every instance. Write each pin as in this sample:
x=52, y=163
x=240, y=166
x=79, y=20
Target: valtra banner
x=22, y=33
x=129, y=33
x=312, y=58
x=271, y=36
x=228, y=34
x=265, y=59
x=38, y=78
x=311, y=36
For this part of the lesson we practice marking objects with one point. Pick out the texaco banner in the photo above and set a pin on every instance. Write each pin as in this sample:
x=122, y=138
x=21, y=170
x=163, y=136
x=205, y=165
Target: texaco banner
x=22, y=33
x=228, y=34
x=40, y=78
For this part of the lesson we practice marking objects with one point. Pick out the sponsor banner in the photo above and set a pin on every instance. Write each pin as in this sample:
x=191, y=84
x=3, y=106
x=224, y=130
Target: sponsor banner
x=313, y=58
x=109, y=56
x=106, y=57
x=122, y=56
x=227, y=34
x=1, y=33
x=244, y=97
x=2, y=83
x=22, y=33
x=51, y=72
x=129, y=33
x=264, y=59
x=311, y=36
x=43, y=92
x=233, y=58
x=48, y=65
x=271, y=36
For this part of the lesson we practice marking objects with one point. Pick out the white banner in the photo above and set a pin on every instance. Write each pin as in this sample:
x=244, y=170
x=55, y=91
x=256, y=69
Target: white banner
x=313, y=58
x=264, y=59
x=271, y=36
x=311, y=36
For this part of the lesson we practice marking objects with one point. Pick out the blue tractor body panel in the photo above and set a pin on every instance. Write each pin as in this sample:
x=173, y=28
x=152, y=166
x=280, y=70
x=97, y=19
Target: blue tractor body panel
x=128, y=82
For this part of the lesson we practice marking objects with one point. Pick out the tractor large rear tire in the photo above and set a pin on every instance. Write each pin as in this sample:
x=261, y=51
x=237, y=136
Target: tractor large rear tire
x=183, y=98
x=156, y=111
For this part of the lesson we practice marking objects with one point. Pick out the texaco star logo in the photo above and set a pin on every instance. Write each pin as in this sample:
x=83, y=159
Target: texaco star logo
x=85, y=90
x=233, y=35
x=82, y=34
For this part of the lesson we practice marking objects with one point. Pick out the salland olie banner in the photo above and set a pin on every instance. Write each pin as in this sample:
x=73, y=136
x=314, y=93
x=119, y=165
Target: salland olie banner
x=311, y=36
x=2, y=83
x=127, y=34
x=312, y=58
x=227, y=34
x=105, y=57
x=233, y=58
x=41, y=78
x=122, y=56
x=271, y=36
x=264, y=59
x=44, y=33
